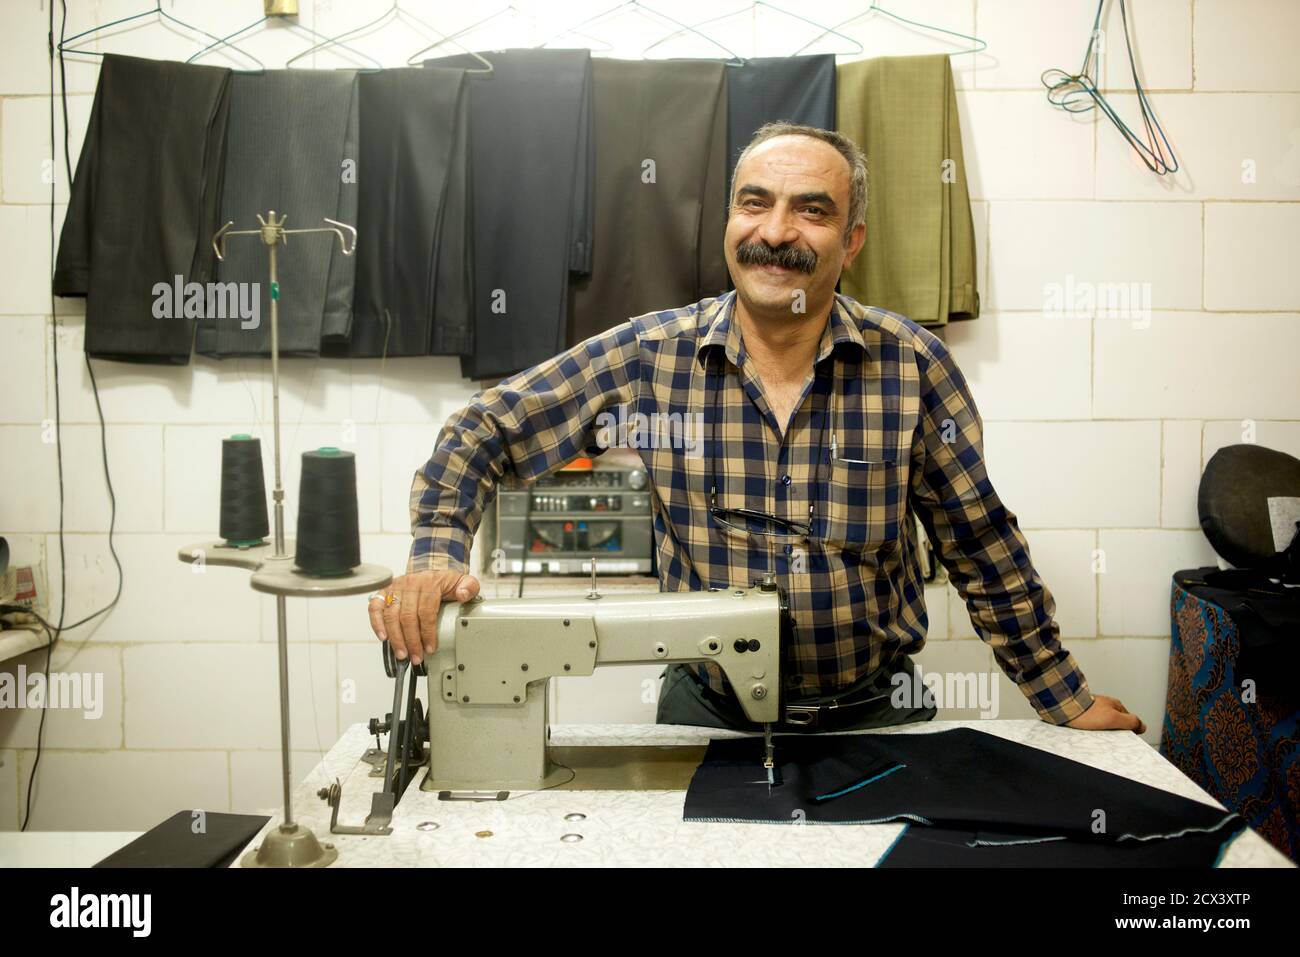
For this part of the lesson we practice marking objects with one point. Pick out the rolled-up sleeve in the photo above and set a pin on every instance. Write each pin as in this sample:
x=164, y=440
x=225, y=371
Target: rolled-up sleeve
x=527, y=425
x=980, y=543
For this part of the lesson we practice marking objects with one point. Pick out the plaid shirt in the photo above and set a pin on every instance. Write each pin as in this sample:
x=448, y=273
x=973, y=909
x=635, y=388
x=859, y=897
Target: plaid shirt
x=905, y=433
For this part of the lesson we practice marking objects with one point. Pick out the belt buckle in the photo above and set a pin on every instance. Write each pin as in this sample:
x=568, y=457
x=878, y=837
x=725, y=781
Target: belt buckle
x=802, y=716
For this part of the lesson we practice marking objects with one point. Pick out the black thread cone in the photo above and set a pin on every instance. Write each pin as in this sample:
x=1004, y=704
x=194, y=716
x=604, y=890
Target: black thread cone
x=243, y=491
x=329, y=537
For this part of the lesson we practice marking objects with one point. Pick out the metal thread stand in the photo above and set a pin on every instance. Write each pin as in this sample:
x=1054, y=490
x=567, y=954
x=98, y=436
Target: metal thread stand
x=291, y=844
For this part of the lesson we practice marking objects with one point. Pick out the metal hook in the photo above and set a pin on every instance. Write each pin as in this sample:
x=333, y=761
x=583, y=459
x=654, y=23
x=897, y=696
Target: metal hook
x=219, y=241
x=338, y=231
x=272, y=232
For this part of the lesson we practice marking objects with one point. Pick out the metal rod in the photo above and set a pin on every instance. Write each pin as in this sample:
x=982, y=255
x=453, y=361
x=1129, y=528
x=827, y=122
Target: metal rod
x=282, y=625
x=278, y=493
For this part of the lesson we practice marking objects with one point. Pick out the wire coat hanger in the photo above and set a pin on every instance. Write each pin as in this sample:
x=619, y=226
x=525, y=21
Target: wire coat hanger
x=224, y=41
x=877, y=8
x=66, y=46
x=1068, y=91
x=650, y=14
x=452, y=38
x=763, y=3
x=394, y=10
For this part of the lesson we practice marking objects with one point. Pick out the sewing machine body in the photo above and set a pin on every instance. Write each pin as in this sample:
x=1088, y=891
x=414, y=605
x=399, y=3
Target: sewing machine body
x=488, y=708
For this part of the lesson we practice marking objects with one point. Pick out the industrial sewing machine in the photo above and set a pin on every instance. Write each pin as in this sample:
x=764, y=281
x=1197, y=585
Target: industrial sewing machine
x=488, y=722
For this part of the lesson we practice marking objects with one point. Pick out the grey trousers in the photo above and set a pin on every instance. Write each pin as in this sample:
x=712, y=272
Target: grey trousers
x=290, y=133
x=684, y=699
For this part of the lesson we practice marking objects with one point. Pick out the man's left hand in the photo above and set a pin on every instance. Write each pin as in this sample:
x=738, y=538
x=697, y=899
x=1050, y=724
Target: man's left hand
x=1107, y=714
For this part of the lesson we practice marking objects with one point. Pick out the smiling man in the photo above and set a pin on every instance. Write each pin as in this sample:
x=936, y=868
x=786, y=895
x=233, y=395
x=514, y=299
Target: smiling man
x=828, y=423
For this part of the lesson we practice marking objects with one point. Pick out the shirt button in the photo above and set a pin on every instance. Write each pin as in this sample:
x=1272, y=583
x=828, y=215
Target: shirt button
x=785, y=480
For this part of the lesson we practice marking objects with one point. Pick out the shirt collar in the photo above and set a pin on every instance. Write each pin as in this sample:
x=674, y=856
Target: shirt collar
x=721, y=331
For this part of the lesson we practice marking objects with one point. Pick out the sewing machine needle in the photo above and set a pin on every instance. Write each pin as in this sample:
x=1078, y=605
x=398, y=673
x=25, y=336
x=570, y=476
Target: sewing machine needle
x=768, y=763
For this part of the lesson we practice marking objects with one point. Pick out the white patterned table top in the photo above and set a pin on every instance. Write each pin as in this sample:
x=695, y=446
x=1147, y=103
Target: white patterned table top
x=645, y=828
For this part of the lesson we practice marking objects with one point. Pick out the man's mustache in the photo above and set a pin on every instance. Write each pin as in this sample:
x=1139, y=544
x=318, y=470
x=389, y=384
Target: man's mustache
x=786, y=256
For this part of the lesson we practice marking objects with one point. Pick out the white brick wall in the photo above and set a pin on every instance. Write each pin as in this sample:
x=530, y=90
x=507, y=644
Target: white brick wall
x=1097, y=428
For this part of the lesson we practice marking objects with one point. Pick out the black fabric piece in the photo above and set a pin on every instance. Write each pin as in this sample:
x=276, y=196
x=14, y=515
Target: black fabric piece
x=531, y=179
x=944, y=847
x=960, y=780
x=797, y=89
x=292, y=136
x=1232, y=503
x=414, y=271
x=1267, y=618
x=174, y=843
x=658, y=242
x=144, y=203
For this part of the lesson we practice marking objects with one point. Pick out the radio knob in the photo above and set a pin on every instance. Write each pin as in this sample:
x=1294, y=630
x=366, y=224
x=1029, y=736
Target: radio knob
x=636, y=480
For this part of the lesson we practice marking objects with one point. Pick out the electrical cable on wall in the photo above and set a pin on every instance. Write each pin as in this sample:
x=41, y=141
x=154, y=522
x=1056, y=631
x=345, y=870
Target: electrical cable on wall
x=1068, y=91
x=55, y=632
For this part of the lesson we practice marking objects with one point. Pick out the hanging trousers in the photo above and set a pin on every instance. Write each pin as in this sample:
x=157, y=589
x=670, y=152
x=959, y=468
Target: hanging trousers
x=531, y=159
x=661, y=194
x=919, y=255
x=292, y=148
x=413, y=272
x=796, y=89
x=144, y=205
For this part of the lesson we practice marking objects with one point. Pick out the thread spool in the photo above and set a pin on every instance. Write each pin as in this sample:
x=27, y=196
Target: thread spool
x=329, y=537
x=243, y=492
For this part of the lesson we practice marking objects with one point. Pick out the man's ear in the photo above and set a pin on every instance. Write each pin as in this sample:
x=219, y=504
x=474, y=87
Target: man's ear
x=856, y=240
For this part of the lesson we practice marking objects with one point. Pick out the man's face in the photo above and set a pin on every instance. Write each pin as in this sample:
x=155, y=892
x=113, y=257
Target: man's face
x=785, y=233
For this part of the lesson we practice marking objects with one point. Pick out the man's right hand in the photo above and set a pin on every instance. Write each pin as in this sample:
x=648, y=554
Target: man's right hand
x=410, y=623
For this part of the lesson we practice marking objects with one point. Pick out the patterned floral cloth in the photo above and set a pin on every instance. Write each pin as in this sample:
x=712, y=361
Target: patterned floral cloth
x=1237, y=738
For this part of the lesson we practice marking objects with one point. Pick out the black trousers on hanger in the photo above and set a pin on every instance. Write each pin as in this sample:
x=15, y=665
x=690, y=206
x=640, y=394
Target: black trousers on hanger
x=797, y=89
x=413, y=294
x=661, y=133
x=292, y=145
x=144, y=204
x=531, y=158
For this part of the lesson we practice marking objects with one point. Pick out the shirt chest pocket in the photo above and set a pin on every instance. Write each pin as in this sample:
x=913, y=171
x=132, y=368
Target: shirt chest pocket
x=864, y=505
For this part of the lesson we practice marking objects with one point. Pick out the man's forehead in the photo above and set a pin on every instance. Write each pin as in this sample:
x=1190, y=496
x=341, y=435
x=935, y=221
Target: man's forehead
x=796, y=163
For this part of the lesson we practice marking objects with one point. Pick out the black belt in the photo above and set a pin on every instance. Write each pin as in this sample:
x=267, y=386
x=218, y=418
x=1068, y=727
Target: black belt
x=802, y=715
x=820, y=715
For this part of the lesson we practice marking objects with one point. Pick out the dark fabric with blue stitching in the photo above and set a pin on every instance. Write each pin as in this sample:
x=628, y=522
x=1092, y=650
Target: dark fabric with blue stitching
x=954, y=788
